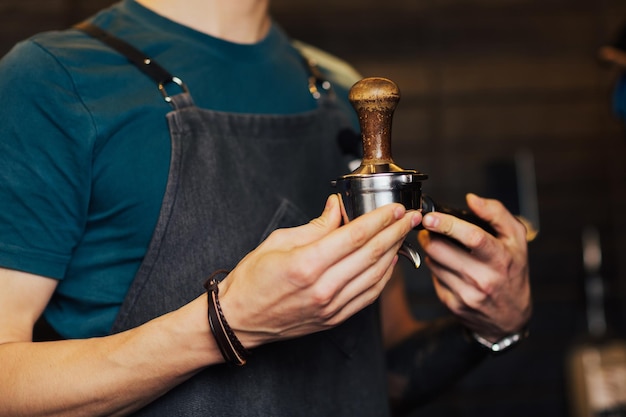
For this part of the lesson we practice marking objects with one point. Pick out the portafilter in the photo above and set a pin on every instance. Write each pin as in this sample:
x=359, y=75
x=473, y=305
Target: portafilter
x=378, y=180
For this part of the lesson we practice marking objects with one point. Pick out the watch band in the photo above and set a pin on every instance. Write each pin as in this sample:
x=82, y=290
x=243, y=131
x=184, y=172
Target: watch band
x=503, y=344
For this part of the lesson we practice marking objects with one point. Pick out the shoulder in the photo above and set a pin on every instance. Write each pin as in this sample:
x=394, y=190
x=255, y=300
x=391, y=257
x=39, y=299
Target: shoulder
x=27, y=59
x=43, y=86
x=45, y=63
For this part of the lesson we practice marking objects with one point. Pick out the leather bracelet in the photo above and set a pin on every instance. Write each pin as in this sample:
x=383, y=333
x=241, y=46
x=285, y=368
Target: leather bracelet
x=231, y=348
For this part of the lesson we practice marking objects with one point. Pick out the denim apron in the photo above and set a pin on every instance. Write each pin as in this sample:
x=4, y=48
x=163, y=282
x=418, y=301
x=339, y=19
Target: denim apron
x=233, y=179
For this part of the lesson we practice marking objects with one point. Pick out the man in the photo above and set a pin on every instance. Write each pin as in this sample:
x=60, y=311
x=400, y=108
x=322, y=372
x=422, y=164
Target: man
x=614, y=54
x=121, y=204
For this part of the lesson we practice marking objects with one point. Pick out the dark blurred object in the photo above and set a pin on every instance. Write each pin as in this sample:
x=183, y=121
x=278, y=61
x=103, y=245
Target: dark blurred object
x=615, y=52
x=513, y=182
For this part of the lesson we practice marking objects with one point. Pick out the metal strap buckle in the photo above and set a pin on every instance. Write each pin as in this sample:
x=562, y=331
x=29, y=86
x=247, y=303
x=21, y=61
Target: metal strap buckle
x=175, y=80
x=316, y=78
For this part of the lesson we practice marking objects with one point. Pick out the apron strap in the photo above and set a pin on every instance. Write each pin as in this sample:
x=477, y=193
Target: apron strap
x=162, y=77
x=144, y=63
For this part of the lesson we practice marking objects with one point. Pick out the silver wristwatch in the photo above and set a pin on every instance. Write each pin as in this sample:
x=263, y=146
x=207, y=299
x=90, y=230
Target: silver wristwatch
x=503, y=344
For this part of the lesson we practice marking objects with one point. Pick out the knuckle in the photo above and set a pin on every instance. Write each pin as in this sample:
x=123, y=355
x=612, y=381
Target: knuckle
x=506, y=263
x=520, y=229
x=487, y=289
x=277, y=236
x=321, y=298
x=496, y=205
x=300, y=273
x=377, y=251
x=477, y=239
x=476, y=300
x=358, y=236
x=502, y=267
x=278, y=233
x=330, y=317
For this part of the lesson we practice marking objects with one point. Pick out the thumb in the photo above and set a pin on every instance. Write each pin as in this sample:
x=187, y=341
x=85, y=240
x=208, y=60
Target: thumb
x=329, y=220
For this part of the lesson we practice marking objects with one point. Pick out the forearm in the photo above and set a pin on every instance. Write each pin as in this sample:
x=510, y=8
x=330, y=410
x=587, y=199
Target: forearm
x=267, y=297
x=429, y=361
x=113, y=375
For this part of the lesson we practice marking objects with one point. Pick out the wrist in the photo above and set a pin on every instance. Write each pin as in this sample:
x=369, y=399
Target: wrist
x=501, y=344
x=227, y=341
x=237, y=313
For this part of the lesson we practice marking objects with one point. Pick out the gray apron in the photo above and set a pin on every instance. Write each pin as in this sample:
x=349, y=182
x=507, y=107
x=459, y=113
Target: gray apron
x=233, y=179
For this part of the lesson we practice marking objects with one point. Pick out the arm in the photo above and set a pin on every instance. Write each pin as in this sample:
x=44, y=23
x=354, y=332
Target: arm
x=111, y=375
x=423, y=358
x=486, y=287
x=299, y=281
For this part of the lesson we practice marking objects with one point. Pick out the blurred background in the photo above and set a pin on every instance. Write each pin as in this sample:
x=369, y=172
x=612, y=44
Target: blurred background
x=505, y=98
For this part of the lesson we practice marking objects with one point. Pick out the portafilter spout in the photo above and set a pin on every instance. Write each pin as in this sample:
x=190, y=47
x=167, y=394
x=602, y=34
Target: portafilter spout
x=378, y=180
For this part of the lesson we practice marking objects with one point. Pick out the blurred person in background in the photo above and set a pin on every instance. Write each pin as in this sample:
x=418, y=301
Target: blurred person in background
x=614, y=54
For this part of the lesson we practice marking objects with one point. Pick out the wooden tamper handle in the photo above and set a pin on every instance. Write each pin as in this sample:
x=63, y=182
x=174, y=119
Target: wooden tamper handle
x=378, y=181
x=375, y=100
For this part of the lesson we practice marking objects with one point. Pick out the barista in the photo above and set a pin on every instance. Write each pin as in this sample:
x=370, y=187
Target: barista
x=120, y=204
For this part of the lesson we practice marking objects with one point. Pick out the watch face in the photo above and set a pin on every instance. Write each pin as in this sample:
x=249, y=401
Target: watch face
x=504, y=343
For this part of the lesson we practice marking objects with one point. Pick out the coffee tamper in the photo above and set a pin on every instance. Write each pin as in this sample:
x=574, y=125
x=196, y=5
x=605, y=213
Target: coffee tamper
x=378, y=180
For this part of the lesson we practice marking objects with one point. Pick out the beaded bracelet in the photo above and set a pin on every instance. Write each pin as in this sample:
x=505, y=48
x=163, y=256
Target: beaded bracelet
x=231, y=348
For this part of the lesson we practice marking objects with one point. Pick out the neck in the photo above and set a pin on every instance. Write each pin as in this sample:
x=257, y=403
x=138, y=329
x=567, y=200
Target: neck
x=240, y=21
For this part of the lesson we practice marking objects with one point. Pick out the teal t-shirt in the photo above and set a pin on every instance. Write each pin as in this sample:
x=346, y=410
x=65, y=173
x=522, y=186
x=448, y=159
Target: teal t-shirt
x=85, y=148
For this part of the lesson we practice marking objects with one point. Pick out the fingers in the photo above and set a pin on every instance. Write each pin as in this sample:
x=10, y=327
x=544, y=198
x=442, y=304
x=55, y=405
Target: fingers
x=472, y=239
x=363, y=273
x=350, y=301
x=460, y=291
x=480, y=243
x=377, y=231
x=347, y=269
x=497, y=215
x=357, y=278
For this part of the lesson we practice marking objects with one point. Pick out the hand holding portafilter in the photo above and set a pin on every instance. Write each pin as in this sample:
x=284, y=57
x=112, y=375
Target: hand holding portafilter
x=378, y=181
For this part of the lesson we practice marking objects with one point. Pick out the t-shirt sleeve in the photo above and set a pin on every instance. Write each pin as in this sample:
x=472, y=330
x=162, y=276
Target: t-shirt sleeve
x=46, y=141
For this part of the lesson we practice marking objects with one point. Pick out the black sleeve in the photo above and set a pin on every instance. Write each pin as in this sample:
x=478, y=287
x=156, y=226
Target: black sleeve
x=428, y=362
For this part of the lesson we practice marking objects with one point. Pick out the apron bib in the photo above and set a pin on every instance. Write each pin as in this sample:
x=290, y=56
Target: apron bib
x=233, y=179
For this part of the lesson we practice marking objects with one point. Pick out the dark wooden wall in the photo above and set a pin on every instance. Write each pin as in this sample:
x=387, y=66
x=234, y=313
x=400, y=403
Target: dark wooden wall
x=482, y=81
